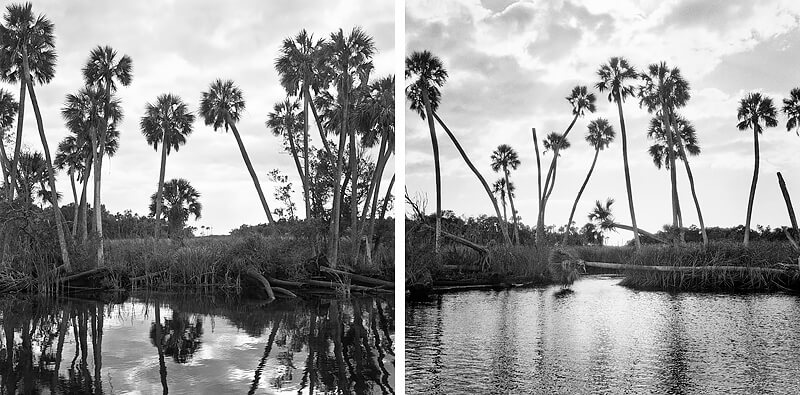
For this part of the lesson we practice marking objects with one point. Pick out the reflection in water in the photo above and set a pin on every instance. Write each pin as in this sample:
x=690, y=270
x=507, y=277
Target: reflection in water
x=190, y=344
x=602, y=338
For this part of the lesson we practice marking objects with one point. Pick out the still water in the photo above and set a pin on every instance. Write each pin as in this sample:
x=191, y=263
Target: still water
x=191, y=344
x=602, y=338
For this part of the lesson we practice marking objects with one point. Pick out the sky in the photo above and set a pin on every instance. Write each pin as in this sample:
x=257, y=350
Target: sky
x=512, y=63
x=181, y=46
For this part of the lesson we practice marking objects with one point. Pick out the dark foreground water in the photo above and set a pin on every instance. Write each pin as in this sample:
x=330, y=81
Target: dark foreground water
x=602, y=338
x=190, y=345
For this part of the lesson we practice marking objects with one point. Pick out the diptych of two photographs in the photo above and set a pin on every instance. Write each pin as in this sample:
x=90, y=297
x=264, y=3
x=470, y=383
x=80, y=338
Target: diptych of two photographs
x=554, y=197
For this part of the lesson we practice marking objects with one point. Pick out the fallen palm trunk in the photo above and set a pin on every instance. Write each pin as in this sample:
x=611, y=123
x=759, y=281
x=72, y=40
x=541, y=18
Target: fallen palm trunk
x=335, y=285
x=284, y=283
x=642, y=232
x=358, y=277
x=253, y=273
x=460, y=240
x=284, y=292
x=709, y=268
x=78, y=276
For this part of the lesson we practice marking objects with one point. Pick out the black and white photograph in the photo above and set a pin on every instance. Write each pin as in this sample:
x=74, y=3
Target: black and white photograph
x=197, y=197
x=599, y=197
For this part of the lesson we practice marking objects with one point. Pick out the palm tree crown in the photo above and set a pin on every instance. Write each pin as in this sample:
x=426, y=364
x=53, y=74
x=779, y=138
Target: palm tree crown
x=103, y=68
x=427, y=73
x=23, y=30
x=555, y=142
x=8, y=110
x=659, y=150
x=285, y=119
x=581, y=100
x=179, y=201
x=222, y=100
x=300, y=62
x=660, y=83
x=504, y=157
x=613, y=77
x=755, y=108
x=600, y=133
x=169, y=118
x=791, y=107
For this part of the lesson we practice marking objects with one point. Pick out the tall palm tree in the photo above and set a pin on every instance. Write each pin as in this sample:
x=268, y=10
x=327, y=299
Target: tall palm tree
x=506, y=159
x=663, y=90
x=302, y=69
x=581, y=101
x=8, y=111
x=284, y=121
x=753, y=110
x=599, y=136
x=69, y=157
x=614, y=78
x=350, y=58
x=791, y=107
x=179, y=200
x=221, y=107
x=167, y=122
x=685, y=143
x=104, y=70
x=499, y=187
x=27, y=54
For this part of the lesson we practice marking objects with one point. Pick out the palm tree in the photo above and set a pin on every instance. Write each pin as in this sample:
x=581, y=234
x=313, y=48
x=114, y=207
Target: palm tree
x=599, y=136
x=506, y=159
x=350, y=58
x=70, y=157
x=423, y=96
x=221, y=107
x=614, y=78
x=604, y=219
x=284, y=121
x=104, y=70
x=791, y=107
x=8, y=111
x=28, y=54
x=581, y=101
x=499, y=187
x=301, y=69
x=753, y=110
x=685, y=142
x=179, y=200
x=663, y=90
x=167, y=122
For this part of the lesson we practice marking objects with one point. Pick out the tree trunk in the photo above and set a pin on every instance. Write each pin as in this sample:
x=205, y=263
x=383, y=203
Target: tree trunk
x=319, y=123
x=437, y=171
x=306, y=189
x=333, y=242
x=76, y=204
x=51, y=177
x=383, y=210
x=577, y=198
x=671, y=162
x=627, y=173
x=250, y=168
x=513, y=210
x=83, y=223
x=486, y=188
x=303, y=176
x=539, y=224
x=643, y=232
x=162, y=367
x=98, y=205
x=18, y=142
x=752, y=188
x=353, y=176
x=503, y=201
x=691, y=186
x=160, y=193
x=788, y=201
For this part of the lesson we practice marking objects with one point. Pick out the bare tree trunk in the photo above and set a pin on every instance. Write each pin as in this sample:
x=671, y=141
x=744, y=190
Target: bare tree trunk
x=671, y=161
x=76, y=203
x=383, y=209
x=437, y=171
x=627, y=173
x=513, y=210
x=319, y=123
x=18, y=142
x=306, y=189
x=539, y=224
x=691, y=186
x=303, y=176
x=752, y=188
x=475, y=171
x=577, y=198
x=83, y=223
x=333, y=242
x=160, y=193
x=250, y=168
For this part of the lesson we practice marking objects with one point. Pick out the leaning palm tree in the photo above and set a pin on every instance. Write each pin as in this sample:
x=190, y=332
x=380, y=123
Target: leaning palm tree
x=350, y=59
x=685, y=143
x=581, y=101
x=27, y=54
x=603, y=218
x=663, y=91
x=791, y=107
x=8, y=111
x=167, y=122
x=753, y=110
x=179, y=200
x=301, y=69
x=614, y=77
x=423, y=96
x=104, y=70
x=599, y=136
x=506, y=159
x=284, y=121
x=221, y=107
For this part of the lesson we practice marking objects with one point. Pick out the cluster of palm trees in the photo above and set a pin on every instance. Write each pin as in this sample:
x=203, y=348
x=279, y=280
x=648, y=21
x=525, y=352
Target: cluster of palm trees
x=661, y=90
x=332, y=75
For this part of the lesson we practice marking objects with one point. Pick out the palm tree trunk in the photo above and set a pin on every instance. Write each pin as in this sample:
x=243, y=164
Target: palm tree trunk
x=437, y=171
x=513, y=210
x=539, y=223
x=691, y=186
x=752, y=188
x=5, y=162
x=671, y=160
x=375, y=183
x=383, y=210
x=162, y=367
x=627, y=173
x=333, y=242
x=486, y=188
x=18, y=142
x=303, y=175
x=160, y=193
x=51, y=177
x=76, y=204
x=250, y=168
x=641, y=231
x=101, y=151
x=353, y=178
x=577, y=198
x=97, y=205
x=306, y=188
x=503, y=201
x=321, y=131
x=83, y=223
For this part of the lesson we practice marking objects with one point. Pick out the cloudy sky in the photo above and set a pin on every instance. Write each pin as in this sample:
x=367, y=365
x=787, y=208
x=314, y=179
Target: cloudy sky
x=181, y=46
x=511, y=64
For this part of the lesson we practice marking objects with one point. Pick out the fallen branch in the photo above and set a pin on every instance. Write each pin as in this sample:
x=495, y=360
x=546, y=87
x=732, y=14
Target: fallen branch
x=623, y=266
x=358, y=277
x=80, y=275
x=284, y=283
x=284, y=292
x=460, y=240
x=334, y=285
x=253, y=273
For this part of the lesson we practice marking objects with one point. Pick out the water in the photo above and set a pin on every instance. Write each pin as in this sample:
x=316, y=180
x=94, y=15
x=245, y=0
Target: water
x=207, y=345
x=602, y=338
